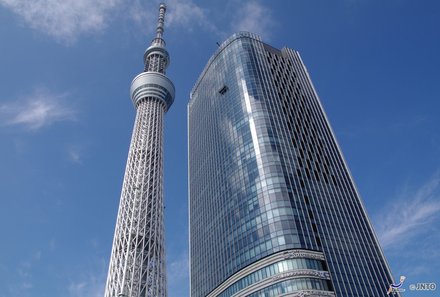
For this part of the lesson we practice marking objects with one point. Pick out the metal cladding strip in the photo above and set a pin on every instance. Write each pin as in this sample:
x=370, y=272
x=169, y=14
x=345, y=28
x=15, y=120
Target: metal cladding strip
x=289, y=254
x=152, y=84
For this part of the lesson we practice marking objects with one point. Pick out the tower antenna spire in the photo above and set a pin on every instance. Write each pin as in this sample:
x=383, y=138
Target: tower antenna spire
x=160, y=26
x=156, y=58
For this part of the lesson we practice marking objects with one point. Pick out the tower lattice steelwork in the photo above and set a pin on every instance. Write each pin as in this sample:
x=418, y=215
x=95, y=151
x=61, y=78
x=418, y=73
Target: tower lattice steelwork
x=137, y=264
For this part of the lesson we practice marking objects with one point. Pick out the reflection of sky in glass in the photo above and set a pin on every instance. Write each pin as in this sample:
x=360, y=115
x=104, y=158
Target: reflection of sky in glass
x=266, y=174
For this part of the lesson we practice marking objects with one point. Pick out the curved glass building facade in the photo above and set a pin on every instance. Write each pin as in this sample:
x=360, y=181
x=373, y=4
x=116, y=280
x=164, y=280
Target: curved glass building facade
x=273, y=208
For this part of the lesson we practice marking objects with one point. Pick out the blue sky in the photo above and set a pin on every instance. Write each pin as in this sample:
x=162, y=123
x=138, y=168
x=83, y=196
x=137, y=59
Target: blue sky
x=66, y=120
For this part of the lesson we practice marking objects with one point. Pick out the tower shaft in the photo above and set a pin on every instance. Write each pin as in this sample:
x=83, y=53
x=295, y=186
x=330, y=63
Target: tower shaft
x=137, y=263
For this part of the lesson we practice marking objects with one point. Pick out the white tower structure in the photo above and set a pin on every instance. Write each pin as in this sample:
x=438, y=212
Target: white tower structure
x=137, y=263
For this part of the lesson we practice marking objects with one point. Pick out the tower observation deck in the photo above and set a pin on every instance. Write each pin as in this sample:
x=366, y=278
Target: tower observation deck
x=137, y=263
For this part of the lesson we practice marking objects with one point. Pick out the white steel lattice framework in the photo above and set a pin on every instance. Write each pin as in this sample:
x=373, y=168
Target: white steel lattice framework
x=137, y=263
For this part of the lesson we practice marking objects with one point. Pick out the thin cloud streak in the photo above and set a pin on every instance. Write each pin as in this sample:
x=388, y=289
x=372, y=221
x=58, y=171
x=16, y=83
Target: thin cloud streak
x=189, y=15
x=181, y=14
x=411, y=215
x=75, y=154
x=249, y=16
x=41, y=108
x=25, y=272
x=141, y=16
x=65, y=20
x=178, y=274
x=91, y=288
x=254, y=17
x=91, y=283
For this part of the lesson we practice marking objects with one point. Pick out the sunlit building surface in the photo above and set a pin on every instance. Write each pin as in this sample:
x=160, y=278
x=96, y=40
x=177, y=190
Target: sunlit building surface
x=273, y=208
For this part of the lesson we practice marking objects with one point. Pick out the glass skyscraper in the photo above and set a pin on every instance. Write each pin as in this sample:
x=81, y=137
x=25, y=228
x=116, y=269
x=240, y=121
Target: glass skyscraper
x=273, y=208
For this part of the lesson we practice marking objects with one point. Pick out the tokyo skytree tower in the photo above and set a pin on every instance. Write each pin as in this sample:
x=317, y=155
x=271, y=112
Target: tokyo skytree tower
x=137, y=263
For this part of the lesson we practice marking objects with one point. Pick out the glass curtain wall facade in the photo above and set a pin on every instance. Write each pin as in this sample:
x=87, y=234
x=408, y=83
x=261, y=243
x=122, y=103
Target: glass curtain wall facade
x=273, y=208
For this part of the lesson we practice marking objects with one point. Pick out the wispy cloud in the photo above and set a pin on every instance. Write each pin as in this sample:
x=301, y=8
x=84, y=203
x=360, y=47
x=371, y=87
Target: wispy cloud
x=65, y=20
x=27, y=285
x=90, y=288
x=68, y=20
x=76, y=289
x=410, y=216
x=250, y=16
x=90, y=283
x=39, y=109
x=178, y=274
x=181, y=14
x=25, y=273
x=143, y=17
x=187, y=14
x=75, y=154
x=254, y=17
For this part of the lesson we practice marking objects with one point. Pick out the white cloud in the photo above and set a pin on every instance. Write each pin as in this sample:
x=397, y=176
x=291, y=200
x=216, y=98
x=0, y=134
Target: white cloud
x=253, y=17
x=141, y=13
x=89, y=280
x=249, y=16
x=39, y=109
x=74, y=154
x=90, y=284
x=25, y=274
x=189, y=15
x=27, y=285
x=67, y=20
x=178, y=274
x=77, y=289
x=410, y=216
x=64, y=19
x=178, y=268
x=181, y=14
